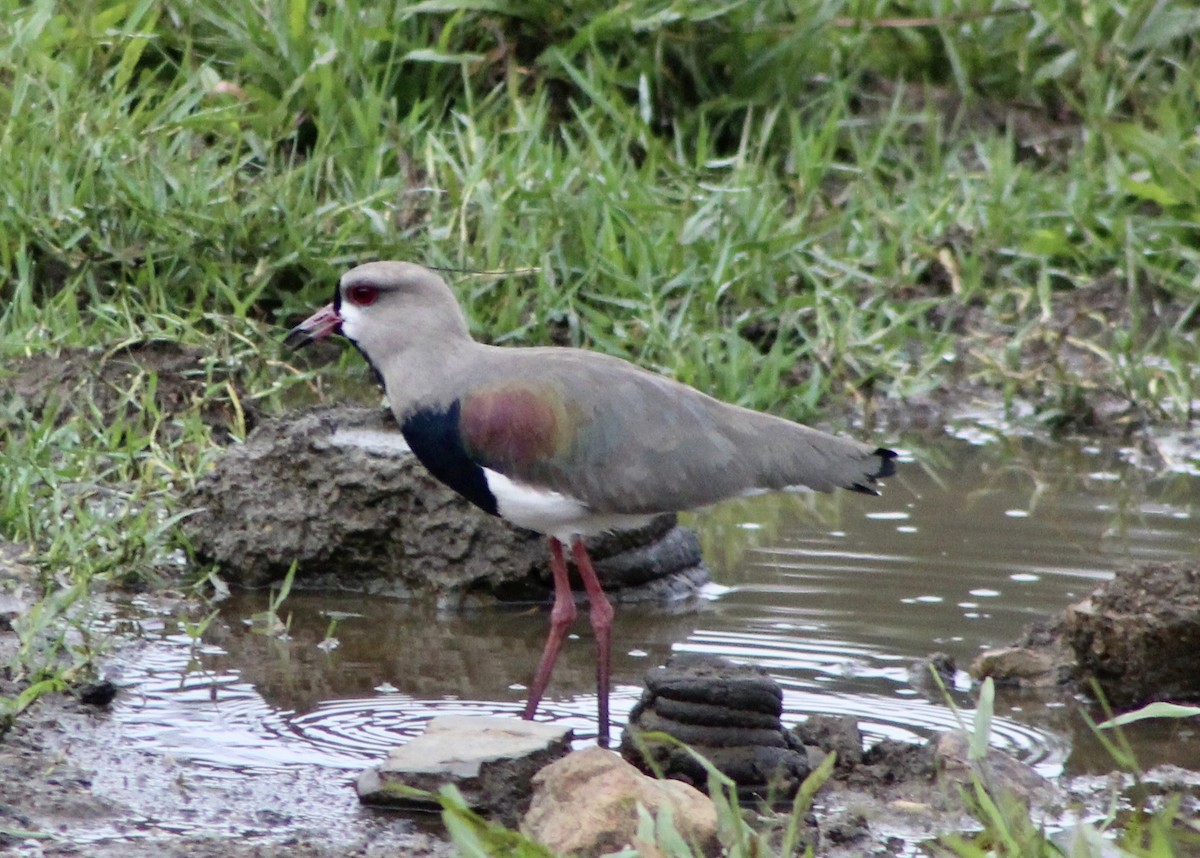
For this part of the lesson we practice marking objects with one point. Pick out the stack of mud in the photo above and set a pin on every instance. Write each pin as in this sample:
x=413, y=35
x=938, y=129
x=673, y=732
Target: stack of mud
x=728, y=713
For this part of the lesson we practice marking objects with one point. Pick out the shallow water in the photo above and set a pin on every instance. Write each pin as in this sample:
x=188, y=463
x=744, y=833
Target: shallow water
x=835, y=595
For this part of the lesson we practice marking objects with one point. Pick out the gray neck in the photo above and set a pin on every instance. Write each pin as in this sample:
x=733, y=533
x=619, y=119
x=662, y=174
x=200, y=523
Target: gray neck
x=429, y=375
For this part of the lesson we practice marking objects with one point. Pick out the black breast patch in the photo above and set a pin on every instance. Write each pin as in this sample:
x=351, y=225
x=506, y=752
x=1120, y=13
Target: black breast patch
x=437, y=443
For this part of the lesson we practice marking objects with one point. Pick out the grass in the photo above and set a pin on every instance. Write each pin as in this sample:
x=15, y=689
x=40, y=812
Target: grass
x=832, y=206
x=1142, y=828
x=667, y=184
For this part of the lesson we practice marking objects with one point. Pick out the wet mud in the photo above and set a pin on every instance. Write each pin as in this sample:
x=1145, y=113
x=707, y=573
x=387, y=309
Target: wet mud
x=1134, y=640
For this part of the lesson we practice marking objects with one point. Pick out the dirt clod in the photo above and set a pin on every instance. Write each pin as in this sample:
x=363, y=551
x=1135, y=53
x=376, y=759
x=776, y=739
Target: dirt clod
x=1138, y=636
x=336, y=491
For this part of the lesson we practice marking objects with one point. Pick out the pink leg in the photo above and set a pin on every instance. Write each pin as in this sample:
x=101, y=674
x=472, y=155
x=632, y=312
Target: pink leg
x=601, y=615
x=561, y=617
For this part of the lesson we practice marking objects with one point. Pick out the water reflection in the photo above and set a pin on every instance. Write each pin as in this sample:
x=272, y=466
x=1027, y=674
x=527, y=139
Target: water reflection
x=834, y=595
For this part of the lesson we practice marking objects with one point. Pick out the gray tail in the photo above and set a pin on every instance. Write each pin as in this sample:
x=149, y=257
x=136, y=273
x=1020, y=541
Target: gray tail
x=887, y=468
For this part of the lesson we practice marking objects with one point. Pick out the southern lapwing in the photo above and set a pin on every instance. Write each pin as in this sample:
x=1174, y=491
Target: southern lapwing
x=566, y=442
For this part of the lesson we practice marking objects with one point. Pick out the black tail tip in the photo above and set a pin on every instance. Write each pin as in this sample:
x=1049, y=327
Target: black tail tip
x=887, y=462
x=887, y=468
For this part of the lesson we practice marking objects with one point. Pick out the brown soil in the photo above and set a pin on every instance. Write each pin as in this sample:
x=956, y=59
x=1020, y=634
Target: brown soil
x=114, y=383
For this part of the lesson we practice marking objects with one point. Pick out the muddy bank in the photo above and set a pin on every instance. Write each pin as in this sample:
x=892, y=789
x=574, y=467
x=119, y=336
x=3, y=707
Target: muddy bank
x=152, y=381
x=70, y=786
x=73, y=782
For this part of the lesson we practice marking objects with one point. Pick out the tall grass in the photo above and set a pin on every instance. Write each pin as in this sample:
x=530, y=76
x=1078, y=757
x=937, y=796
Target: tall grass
x=670, y=177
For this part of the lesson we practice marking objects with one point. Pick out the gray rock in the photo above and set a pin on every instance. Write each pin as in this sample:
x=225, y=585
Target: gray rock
x=338, y=492
x=1001, y=773
x=491, y=761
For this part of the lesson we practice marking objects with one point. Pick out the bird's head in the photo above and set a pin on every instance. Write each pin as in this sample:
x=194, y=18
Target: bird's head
x=385, y=309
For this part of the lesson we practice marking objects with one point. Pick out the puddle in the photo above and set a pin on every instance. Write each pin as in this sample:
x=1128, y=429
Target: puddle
x=247, y=738
x=835, y=595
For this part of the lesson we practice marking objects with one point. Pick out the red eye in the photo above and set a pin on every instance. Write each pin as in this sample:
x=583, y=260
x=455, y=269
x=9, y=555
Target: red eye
x=362, y=295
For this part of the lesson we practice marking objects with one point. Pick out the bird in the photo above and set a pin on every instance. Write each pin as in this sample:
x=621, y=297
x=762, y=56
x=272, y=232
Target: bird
x=566, y=442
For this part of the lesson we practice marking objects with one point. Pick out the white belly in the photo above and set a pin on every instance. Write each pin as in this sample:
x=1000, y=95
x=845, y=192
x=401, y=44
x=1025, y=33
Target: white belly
x=553, y=513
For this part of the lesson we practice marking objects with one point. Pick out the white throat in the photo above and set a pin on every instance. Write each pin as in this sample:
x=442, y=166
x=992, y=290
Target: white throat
x=353, y=321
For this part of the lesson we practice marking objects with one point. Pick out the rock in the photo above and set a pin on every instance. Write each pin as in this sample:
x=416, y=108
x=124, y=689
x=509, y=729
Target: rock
x=491, y=761
x=832, y=733
x=1017, y=666
x=338, y=491
x=726, y=712
x=1002, y=774
x=849, y=827
x=1039, y=661
x=99, y=694
x=1138, y=635
x=586, y=805
x=933, y=675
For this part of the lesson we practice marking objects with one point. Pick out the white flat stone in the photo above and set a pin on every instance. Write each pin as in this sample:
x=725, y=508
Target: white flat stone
x=490, y=760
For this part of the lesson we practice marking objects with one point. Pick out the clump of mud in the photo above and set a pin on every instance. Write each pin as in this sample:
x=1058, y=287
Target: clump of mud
x=337, y=492
x=1137, y=637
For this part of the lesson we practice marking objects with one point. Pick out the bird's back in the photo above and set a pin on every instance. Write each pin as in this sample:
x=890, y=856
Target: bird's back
x=626, y=441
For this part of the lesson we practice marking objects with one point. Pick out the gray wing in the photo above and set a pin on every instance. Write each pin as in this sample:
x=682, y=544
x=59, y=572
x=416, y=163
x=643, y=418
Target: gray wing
x=642, y=443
